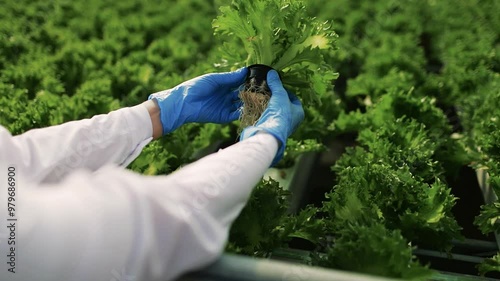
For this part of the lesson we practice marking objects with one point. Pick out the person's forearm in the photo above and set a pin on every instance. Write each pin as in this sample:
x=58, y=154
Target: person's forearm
x=48, y=154
x=148, y=228
x=221, y=183
x=208, y=195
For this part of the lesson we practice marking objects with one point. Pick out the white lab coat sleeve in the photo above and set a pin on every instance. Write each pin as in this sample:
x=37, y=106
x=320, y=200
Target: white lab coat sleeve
x=48, y=154
x=115, y=224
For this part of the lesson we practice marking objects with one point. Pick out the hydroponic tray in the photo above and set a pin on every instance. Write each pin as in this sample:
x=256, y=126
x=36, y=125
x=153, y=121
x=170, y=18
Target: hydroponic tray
x=241, y=268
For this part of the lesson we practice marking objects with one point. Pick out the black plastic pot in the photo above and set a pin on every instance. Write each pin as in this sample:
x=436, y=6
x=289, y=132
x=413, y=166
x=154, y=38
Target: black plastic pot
x=257, y=76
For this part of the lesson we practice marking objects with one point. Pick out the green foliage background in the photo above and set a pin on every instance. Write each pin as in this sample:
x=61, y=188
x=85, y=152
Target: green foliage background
x=404, y=67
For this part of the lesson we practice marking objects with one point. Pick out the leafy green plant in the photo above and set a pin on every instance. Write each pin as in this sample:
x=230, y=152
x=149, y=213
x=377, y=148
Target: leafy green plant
x=489, y=265
x=400, y=201
x=296, y=148
x=281, y=35
x=391, y=182
x=375, y=250
x=259, y=230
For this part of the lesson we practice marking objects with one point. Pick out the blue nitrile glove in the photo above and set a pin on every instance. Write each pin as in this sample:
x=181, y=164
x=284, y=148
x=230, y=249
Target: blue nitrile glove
x=210, y=98
x=281, y=117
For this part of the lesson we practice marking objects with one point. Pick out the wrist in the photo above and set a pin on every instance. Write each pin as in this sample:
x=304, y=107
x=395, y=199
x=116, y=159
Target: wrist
x=154, y=114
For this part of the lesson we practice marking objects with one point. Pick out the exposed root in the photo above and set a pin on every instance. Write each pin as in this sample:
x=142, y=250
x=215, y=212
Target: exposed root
x=255, y=100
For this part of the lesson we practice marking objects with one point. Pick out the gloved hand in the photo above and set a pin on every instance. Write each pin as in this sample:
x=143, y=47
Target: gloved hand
x=210, y=98
x=282, y=116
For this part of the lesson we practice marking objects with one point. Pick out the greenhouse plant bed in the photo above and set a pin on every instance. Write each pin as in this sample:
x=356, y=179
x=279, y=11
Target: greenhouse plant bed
x=461, y=263
x=410, y=86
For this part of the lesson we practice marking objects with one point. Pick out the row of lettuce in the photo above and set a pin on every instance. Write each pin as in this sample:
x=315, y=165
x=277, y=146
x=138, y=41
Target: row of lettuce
x=409, y=66
x=403, y=65
x=419, y=88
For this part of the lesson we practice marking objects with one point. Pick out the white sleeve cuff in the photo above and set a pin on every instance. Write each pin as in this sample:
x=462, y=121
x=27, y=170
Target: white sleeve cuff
x=141, y=131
